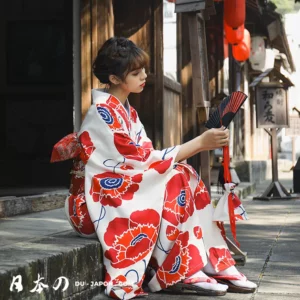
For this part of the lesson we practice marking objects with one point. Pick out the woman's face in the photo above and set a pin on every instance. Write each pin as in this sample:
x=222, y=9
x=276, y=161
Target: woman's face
x=135, y=81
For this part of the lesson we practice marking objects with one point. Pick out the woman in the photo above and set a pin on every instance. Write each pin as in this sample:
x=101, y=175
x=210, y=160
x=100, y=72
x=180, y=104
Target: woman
x=144, y=204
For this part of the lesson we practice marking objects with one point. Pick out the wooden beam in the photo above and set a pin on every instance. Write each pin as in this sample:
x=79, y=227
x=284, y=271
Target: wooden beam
x=102, y=28
x=86, y=79
x=159, y=73
x=200, y=86
x=204, y=111
x=198, y=98
x=172, y=85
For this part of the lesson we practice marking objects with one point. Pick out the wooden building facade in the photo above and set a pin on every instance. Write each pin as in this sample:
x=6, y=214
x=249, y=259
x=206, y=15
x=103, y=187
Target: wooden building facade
x=46, y=81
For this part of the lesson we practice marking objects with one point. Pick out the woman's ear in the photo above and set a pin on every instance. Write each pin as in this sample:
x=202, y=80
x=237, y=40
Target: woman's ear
x=114, y=79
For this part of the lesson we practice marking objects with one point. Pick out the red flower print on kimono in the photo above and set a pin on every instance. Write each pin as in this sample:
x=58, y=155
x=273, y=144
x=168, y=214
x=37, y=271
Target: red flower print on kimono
x=176, y=265
x=172, y=233
x=147, y=145
x=220, y=258
x=178, y=205
x=111, y=189
x=198, y=232
x=127, y=147
x=196, y=262
x=130, y=240
x=201, y=196
x=120, y=281
x=79, y=214
x=87, y=146
x=119, y=107
x=133, y=114
x=161, y=166
x=182, y=260
x=109, y=117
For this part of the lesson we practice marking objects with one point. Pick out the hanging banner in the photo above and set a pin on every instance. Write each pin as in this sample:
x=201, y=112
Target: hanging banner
x=271, y=105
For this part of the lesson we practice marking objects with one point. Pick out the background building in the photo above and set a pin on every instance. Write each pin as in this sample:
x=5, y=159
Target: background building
x=47, y=51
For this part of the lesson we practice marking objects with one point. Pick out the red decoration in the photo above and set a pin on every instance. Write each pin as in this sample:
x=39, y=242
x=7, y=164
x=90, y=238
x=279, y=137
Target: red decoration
x=234, y=35
x=234, y=12
x=171, y=1
x=241, y=51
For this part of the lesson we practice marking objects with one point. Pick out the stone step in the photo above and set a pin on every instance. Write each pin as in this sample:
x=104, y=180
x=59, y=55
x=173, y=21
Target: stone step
x=43, y=244
x=242, y=190
x=12, y=205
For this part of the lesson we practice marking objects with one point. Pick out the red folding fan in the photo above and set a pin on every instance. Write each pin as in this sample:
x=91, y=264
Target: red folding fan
x=222, y=116
x=226, y=110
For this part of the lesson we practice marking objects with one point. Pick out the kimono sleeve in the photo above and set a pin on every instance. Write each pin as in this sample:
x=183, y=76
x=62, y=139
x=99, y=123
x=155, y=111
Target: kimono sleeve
x=107, y=134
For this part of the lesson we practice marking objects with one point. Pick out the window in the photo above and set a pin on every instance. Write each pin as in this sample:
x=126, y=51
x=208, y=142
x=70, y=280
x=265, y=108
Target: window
x=170, y=40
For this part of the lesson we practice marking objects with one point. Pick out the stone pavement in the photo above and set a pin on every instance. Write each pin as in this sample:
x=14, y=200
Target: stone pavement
x=42, y=243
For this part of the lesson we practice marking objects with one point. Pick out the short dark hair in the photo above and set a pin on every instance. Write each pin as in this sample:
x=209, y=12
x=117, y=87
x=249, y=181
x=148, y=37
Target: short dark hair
x=118, y=56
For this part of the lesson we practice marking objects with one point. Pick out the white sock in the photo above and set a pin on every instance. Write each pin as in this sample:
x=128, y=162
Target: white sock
x=208, y=268
x=206, y=285
x=229, y=271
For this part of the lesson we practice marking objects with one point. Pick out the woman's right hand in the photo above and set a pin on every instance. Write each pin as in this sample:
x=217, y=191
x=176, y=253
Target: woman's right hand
x=214, y=138
x=211, y=139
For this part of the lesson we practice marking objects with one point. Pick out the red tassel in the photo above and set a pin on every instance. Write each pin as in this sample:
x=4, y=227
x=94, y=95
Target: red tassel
x=232, y=218
x=231, y=197
x=222, y=229
x=226, y=162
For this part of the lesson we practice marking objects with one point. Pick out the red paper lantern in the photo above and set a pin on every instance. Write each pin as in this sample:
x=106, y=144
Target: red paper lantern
x=241, y=51
x=234, y=12
x=234, y=36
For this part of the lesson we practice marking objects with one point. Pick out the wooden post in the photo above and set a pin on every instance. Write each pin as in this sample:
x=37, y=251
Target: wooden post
x=97, y=25
x=275, y=190
x=86, y=81
x=200, y=86
x=203, y=111
x=159, y=74
x=274, y=154
x=76, y=66
x=102, y=28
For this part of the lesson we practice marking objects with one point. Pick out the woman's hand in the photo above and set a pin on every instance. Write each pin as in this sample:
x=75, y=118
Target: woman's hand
x=209, y=140
x=214, y=138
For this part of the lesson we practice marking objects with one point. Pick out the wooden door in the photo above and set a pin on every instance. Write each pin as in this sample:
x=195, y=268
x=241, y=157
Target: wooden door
x=145, y=29
x=36, y=93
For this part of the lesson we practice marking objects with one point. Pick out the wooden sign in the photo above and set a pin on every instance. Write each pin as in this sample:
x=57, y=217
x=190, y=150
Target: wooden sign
x=271, y=105
x=294, y=129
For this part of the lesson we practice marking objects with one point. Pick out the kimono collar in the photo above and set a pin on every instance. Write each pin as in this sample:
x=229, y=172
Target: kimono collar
x=100, y=96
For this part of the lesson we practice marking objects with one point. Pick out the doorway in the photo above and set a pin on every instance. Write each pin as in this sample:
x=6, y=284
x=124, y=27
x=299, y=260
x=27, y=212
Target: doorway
x=36, y=94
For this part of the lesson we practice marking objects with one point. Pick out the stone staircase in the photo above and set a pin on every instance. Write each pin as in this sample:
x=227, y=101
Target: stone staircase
x=43, y=244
